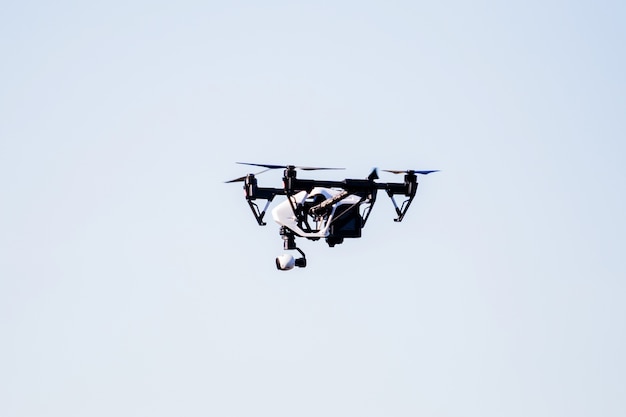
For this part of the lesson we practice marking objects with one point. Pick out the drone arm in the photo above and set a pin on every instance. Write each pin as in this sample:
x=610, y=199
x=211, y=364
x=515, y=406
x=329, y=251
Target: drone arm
x=258, y=215
x=404, y=207
x=368, y=209
x=266, y=194
x=253, y=192
x=408, y=189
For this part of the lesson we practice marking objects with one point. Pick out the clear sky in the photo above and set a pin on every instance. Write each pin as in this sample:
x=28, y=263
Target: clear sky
x=134, y=282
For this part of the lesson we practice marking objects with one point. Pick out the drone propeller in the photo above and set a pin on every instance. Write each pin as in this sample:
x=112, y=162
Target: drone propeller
x=242, y=179
x=268, y=166
x=410, y=171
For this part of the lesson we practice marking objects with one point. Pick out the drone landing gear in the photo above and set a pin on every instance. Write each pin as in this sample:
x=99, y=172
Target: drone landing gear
x=289, y=243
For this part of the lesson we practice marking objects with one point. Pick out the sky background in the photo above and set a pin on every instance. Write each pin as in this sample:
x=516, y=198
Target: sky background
x=134, y=282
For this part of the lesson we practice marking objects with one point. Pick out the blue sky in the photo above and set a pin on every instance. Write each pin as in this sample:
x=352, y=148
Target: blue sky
x=133, y=281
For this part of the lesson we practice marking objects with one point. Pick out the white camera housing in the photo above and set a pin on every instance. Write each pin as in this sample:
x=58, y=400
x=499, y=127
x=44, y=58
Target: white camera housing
x=285, y=262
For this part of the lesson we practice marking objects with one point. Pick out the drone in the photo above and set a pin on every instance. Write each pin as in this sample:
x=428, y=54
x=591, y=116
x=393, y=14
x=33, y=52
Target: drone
x=321, y=209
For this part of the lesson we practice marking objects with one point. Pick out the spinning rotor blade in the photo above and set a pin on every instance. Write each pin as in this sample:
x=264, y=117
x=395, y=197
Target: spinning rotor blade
x=269, y=166
x=262, y=165
x=242, y=179
x=410, y=171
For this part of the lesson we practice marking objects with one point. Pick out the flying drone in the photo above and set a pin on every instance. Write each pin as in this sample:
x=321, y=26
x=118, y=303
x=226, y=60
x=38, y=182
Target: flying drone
x=320, y=209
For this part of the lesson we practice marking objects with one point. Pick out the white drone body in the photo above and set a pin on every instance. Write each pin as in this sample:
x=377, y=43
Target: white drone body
x=284, y=215
x=333, y=222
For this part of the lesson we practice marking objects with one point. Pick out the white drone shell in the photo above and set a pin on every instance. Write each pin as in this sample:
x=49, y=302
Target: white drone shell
x=283, y=213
